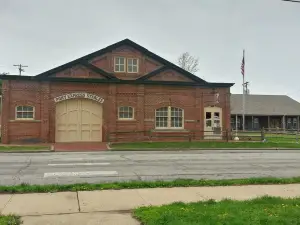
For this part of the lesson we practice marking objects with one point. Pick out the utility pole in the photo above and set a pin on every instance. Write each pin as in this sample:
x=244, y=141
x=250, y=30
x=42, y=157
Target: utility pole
x=20, y=68
x=246, y=87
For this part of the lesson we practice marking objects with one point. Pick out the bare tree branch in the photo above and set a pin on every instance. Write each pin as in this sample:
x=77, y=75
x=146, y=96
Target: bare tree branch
x=188, y=62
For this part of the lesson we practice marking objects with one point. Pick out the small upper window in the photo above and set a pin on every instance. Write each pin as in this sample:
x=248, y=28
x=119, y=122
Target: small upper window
x=132, y=65
x=125, y=113
x=24, y=112
x=119, y=64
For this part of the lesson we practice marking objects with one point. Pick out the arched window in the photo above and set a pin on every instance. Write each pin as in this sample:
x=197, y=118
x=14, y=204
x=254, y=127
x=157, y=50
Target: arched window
x=169, y=117
x=24, y=112
x=126, y=113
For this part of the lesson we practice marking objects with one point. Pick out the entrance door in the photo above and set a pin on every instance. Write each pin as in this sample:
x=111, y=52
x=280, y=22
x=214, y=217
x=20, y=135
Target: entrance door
x=78, y=120
x=212, y=122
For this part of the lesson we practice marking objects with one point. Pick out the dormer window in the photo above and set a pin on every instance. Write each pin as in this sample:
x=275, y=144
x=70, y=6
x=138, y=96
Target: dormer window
x=132, y=65
x=120, y=64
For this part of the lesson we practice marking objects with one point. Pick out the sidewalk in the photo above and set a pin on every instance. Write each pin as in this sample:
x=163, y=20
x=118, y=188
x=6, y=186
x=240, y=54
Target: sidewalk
x=113, y=207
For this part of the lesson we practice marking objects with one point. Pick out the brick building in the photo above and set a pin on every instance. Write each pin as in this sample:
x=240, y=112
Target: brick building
x=121, y=88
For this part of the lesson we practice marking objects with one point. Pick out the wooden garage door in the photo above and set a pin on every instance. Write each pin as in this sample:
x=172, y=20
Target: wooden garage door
x=78, y=120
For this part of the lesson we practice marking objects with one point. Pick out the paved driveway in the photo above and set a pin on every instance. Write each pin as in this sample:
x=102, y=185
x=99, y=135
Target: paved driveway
x=65, y=168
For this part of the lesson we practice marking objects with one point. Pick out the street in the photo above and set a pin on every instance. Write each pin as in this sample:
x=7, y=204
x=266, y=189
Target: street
x=96, y=167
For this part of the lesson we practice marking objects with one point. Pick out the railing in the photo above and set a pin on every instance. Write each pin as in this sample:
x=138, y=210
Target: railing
x=169, y=135
x=268, y=135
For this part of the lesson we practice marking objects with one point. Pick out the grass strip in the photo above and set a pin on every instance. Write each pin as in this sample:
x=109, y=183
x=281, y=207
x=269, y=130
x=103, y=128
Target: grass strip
x=22, y=148
x=206, y=145
x=264, y=210
x=10, y=220
x=26, y=188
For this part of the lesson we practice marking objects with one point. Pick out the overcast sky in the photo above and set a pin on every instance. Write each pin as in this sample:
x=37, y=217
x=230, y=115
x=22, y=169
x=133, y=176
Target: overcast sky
x=44, y=34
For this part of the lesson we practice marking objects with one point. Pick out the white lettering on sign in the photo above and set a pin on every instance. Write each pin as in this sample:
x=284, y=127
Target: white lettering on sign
x=79, y=95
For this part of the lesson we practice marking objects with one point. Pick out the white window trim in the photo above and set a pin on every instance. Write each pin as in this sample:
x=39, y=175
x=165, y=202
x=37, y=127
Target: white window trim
x=137, y=65
x=125, y=118
x=33, y=111
x=169, y=120
x=125, y=64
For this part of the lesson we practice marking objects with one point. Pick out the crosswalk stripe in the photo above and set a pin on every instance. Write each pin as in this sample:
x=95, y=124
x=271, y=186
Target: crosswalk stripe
x=78, y=174
x=78, y=164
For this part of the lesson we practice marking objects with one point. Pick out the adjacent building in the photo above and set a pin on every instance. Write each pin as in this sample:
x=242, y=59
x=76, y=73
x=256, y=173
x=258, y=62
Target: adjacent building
x=265, y=111
x=121, y=88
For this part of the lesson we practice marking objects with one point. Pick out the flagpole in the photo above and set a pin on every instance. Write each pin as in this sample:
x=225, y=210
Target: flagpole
x=244, y=92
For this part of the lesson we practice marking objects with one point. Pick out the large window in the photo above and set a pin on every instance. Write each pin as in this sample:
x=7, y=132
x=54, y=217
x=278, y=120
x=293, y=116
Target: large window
x=120, y=64
x=24, y=113
x=132, y=65
x=169, y=117
x=126, y=113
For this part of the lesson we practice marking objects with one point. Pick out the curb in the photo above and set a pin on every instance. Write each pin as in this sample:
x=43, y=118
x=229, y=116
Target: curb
x=27, y=151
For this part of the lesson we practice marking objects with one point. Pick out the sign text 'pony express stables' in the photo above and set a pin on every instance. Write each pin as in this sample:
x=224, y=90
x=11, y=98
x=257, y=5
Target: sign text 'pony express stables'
x=79, y=95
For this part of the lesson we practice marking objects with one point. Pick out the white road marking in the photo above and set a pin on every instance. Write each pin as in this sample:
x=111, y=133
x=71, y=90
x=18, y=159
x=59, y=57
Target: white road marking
x=78, y=164
x=78, y=174
x=78, y=159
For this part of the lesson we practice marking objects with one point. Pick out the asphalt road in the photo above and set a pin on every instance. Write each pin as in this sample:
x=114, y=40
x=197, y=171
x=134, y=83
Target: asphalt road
x=95, y=167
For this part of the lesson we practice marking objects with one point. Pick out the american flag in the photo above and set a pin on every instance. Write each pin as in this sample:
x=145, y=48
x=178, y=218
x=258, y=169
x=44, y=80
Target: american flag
x=243, y=64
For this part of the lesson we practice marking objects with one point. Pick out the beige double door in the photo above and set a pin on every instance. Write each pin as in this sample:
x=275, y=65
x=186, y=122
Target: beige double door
x=78, y=120
x=213, y=122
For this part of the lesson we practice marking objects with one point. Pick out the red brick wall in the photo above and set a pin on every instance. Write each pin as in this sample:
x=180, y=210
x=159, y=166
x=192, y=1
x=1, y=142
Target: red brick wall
x=144, y=98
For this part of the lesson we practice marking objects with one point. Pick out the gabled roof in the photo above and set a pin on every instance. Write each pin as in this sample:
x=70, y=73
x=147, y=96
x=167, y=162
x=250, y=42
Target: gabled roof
x=264, y=105
x=111, y=78
x=132, y=44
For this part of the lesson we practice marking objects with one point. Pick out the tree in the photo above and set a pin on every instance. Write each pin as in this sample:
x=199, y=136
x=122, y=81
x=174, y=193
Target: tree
x=4, y=73
x=188, y=62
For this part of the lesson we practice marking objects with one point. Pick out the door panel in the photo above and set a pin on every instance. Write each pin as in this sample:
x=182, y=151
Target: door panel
x=213, y=122
x=78, y=120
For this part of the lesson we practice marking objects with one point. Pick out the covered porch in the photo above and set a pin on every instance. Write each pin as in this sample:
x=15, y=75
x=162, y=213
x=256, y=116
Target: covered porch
x=257, y=122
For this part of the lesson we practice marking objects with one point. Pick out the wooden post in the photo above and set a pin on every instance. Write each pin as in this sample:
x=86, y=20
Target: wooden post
x=298, y=124
x=262, y=134
x=227, y=135
x=283, y=123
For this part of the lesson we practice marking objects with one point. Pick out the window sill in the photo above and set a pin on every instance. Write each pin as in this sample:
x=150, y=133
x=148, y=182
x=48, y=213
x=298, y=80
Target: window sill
x=22, y=121
x=126, y=120
x=170, y=130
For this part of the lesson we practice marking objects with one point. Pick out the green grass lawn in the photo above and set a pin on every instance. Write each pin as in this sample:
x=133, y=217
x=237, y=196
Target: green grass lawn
x=22, y=148
x=261, y=211
x=26, y=188
x=10, y=220
x=188, y=145
x=271, y=137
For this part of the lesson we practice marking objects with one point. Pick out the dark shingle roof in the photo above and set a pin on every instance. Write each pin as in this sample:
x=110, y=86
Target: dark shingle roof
x=265, y=105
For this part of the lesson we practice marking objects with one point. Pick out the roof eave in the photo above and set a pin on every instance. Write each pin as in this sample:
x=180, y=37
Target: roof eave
x=116, y=81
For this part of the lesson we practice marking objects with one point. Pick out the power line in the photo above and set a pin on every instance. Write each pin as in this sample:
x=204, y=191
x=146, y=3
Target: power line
x=20, y=68
x=291, y=1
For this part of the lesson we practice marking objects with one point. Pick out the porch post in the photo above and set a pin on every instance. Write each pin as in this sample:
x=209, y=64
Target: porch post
x=268, y=122
x=283, y=122
x=252, y=123
x=236, y=122
x=298, y=124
